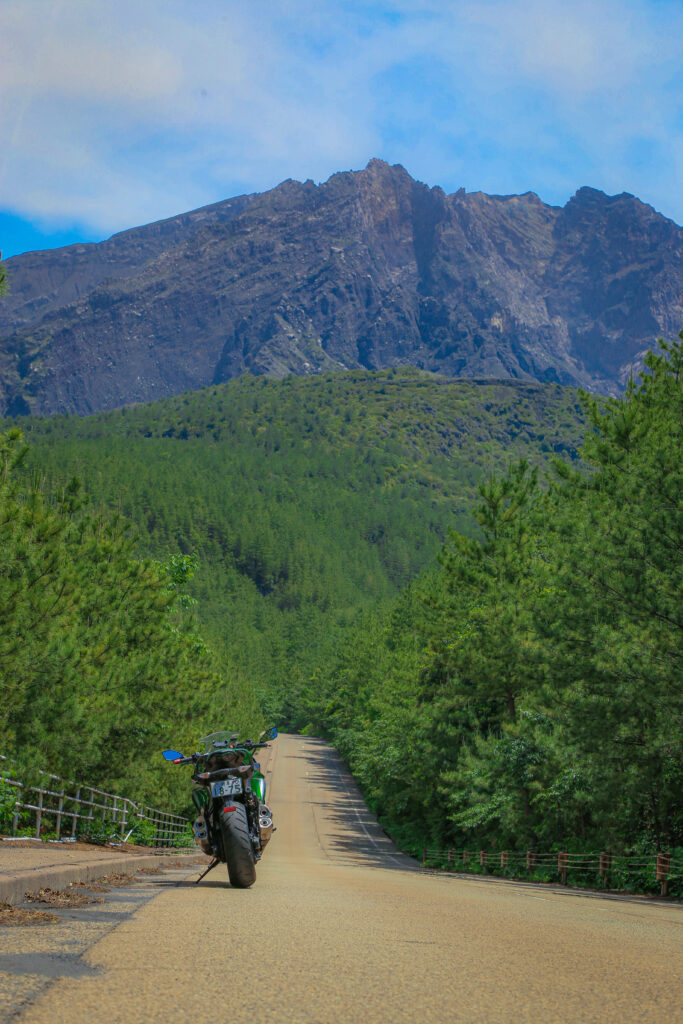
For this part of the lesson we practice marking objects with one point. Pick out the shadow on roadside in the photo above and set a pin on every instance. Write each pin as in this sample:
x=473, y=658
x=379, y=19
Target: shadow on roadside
x=360, y=835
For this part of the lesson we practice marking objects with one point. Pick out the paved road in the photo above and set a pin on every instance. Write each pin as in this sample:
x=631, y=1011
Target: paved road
x=341, y=928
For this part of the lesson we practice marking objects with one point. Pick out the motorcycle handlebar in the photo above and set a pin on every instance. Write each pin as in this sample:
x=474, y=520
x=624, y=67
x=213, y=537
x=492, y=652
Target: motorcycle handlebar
x=194, y=758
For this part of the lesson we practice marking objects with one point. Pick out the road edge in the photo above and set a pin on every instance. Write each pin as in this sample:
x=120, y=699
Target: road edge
x=14, y=887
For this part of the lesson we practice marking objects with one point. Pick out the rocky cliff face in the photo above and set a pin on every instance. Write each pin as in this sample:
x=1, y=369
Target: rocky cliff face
x=371, y=269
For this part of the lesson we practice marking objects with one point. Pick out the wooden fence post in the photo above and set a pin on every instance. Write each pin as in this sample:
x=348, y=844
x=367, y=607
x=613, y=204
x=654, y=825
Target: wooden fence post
x=663, y=868
x=465, y=855
x=562, y=862
x=39, y=813
x=504, y=857
x=605, y=865
x=60, y=808
x=75, y=820
x=15, y=816
x=482, y=858
x=450, y=858
x=530, y=860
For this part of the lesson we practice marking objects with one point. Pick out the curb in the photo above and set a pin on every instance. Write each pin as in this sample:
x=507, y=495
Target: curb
x=554, y=888
x=13, y=888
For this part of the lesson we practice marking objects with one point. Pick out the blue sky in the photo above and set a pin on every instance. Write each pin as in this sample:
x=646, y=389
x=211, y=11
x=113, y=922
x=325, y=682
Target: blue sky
x=115, y=113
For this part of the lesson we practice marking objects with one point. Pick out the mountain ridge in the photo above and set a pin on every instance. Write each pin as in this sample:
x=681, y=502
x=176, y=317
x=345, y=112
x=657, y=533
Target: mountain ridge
x=370, y=269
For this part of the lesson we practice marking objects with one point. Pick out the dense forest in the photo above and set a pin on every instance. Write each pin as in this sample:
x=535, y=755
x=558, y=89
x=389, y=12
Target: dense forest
x=306, y=501
x=483, y=615
x=528, y=691
x=101, y=661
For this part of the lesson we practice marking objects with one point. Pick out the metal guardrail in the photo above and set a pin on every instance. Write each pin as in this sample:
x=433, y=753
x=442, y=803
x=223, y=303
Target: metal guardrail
x=64, y=802
x=663, y=867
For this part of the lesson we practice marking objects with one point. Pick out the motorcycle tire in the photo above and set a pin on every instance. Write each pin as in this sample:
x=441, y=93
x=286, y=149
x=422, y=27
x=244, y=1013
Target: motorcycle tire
x=239, y=853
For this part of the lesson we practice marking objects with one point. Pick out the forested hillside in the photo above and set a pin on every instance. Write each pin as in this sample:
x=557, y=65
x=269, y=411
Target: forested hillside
x=528, y=691
x=101, y=665
x=484, y=620
x=307, y=501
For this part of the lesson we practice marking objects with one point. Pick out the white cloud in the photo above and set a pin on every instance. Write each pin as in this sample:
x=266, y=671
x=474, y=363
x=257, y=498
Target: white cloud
x=115, y=113
x=572, y=48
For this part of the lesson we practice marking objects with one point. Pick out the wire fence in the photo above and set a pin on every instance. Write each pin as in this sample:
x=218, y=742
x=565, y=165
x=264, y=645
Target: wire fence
x=606, y=869
x=67, y=809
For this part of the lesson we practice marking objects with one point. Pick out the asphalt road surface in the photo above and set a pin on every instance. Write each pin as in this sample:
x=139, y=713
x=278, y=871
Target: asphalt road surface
x=341, y=928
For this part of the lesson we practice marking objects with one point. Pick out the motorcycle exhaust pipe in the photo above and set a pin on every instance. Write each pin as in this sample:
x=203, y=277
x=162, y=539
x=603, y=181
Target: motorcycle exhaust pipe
x=266, y=828
x=201, y=835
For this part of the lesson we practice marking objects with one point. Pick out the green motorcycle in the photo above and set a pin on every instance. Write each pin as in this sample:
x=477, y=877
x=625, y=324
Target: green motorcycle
x=233, y=823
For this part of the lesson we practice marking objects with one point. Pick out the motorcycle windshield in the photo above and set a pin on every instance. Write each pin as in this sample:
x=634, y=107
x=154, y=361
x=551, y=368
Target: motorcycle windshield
x=218, y=741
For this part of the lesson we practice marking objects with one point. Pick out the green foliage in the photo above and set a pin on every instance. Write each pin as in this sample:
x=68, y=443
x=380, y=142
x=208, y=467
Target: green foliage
x=523, y=691
x=308, y=502
x=143, y=833
x=615, y=620
x=8, y=797
x=100, y=666
x=529, y=692
x=98, y=831
x=185, y=839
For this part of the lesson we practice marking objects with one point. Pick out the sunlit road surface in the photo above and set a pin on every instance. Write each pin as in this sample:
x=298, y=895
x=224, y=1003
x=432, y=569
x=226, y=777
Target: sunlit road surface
x=341, y=928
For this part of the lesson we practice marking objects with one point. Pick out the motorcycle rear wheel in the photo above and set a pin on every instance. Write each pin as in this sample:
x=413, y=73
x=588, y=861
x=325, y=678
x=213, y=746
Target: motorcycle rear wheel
x=239, y=852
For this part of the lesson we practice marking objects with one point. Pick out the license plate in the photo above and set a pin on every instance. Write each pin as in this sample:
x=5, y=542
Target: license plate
x=226, y=787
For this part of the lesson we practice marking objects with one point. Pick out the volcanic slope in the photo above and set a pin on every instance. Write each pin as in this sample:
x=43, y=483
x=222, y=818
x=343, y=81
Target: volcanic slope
x=306, y=499
x=369, y=270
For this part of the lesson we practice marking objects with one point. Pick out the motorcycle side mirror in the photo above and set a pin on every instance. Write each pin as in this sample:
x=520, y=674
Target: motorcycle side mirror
x=270, y=734
x=171, y=755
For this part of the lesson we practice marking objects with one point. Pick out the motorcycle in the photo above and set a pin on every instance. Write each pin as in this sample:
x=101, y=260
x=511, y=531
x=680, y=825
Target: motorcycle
x=234, y=824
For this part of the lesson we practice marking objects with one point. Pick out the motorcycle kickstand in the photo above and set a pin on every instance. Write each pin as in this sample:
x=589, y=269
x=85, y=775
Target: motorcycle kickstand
x=211, y=866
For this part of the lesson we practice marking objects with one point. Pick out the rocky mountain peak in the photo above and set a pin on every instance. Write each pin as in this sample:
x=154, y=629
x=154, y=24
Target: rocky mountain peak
x=368, y=269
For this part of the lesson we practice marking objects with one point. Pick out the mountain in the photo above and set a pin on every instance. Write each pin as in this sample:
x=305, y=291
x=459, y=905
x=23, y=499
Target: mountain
x=369, y=270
